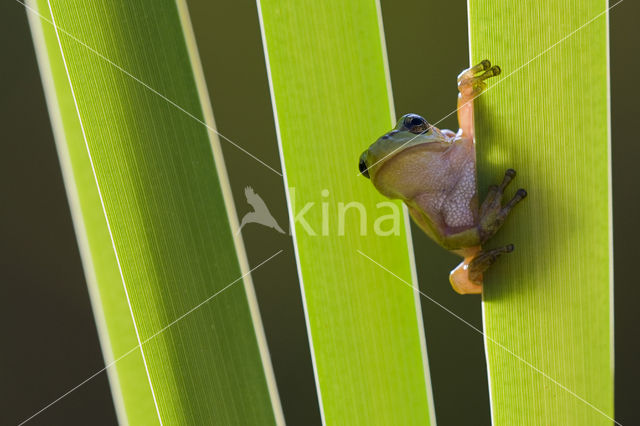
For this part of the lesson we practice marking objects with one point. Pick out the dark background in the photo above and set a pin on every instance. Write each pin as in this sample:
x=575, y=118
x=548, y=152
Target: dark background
x=46, y=324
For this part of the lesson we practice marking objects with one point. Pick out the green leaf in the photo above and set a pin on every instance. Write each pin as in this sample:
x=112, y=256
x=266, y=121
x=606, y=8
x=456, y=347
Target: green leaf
x=162, y=187
x=547, y=306
x=329, y=84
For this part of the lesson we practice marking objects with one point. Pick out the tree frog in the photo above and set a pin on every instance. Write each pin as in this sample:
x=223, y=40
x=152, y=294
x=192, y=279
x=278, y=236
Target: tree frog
x=434, y=172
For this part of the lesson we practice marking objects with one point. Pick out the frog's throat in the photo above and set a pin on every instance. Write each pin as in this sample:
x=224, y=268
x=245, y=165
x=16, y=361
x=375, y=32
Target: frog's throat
x=459, y=277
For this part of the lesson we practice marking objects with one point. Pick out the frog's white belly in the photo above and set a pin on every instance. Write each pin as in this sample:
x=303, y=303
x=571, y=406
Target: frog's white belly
x=442, y=184
x=456, y=206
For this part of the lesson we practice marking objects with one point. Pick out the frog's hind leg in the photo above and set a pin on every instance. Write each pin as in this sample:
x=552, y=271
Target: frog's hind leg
x=466, y=278
x=492, y=214
x=483, y=260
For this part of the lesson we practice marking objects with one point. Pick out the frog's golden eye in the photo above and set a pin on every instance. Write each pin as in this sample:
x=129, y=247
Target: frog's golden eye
x=415, y=124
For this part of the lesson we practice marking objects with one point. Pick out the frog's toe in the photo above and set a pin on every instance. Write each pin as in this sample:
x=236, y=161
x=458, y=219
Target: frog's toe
x=482, y=66
x=519, y=196
x=491, y=72
x=508, y=177
x=494, y=71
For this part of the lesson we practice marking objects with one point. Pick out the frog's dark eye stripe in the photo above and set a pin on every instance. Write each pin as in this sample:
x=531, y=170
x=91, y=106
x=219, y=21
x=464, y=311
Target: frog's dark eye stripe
x=388, y=135
x=363, y=168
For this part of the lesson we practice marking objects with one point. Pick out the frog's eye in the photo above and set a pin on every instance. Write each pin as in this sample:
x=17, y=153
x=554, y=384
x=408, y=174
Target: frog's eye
x=363, y=167
x=415, y=124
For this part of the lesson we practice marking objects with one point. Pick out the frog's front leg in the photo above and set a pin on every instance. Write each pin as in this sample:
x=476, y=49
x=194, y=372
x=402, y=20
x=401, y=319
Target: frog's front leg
x=470, y=85
x=492, y=214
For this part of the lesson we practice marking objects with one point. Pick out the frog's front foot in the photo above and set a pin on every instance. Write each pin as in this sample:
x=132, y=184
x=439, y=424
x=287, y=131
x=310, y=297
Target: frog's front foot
x=471, y=81
x=492, y=213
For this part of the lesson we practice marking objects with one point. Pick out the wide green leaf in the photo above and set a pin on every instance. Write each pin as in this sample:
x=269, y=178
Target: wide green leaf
x=547, y=306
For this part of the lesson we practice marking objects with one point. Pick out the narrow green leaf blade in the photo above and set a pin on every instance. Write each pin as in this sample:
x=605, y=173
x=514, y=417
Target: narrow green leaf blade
x=128, y=378
x=130, y=67
x=331, y=97
x=547, y=306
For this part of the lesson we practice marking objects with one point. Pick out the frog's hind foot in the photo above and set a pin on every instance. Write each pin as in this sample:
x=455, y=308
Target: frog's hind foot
x=483, y=260
x=466, y=278
x=471, y=80
x=492, y=214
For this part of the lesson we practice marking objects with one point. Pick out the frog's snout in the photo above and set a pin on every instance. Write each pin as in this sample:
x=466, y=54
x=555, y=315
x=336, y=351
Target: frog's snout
x=363, y=165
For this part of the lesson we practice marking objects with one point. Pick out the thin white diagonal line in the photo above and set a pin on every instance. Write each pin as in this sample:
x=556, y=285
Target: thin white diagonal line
x=145, y=85
x=499, y=81
x=509, y=351
x=153, y=336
